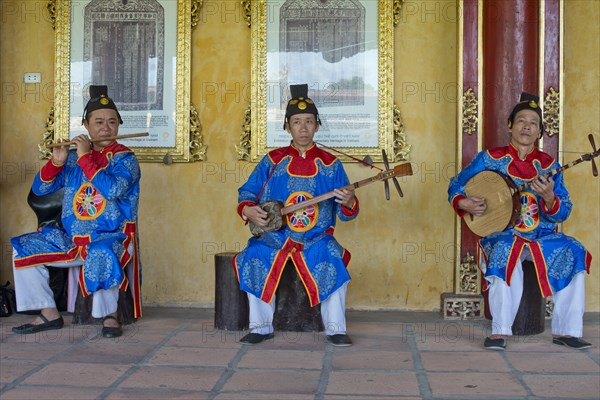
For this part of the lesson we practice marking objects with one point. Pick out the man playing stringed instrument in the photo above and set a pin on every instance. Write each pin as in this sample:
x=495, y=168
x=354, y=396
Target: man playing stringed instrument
x=560, y=261
x=290, y=175
x=101, y=181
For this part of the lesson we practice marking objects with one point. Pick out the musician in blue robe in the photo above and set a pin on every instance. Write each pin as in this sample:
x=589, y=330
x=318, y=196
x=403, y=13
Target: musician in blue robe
x=560, y=260
x=291, y=175
x=101, y=182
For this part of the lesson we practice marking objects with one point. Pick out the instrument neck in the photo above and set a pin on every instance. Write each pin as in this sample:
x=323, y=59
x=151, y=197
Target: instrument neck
x=557, y=170
x=317, y=199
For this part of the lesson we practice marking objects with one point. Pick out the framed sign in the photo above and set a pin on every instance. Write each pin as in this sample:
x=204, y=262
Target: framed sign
x=343, y=50
x=140, y=49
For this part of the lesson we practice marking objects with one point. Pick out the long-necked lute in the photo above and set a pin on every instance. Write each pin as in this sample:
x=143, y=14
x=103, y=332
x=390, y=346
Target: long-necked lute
x=277, y=211
x=502, y=197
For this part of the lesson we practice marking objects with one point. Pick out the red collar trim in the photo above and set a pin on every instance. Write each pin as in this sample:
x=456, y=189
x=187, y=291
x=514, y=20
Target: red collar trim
x=522, y=169
x=302, y=166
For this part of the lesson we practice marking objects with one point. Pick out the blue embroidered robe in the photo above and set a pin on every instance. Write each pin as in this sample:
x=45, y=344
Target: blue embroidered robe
x=99, y=215
x=556, y=256
x=308, y=237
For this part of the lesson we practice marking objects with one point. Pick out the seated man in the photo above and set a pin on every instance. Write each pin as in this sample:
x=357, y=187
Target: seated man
x=290, y=175
x=560, y=261
x=102, y=183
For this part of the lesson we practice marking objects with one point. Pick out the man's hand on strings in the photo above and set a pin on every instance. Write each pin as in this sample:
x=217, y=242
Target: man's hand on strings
x=545, y=188
x=345, y=197
x=473, y=205
x=256, y=215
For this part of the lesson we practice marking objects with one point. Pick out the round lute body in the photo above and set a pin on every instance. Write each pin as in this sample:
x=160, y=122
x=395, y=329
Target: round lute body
x=501, y=195
x=275, y=219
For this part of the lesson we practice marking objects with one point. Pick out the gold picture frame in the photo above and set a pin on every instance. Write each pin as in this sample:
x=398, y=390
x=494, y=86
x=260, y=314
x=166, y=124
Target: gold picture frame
x=173, y=122
x=269, y=95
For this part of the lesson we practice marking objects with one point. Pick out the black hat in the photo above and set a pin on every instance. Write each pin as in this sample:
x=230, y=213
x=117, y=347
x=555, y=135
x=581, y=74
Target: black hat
x=527, y=102
x=99, y=99
x=300, y=103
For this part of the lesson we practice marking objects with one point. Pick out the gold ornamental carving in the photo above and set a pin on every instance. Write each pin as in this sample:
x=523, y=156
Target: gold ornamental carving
x=400, y=147
x=196, y=6
x=397, y=10
x=465, y=307
x=247, y=11
x=469, y=276
x=48, y=137
x=463, y=310
x=51, y=7
x=243, y=148
x=470, y=107
x=551, y=112
x=197, y=147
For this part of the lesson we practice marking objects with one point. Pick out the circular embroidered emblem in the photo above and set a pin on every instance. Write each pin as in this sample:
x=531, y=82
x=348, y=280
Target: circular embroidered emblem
x=302, y=105
x=293, y=101
x=530, y=217
x=103, y=100
x=88, y=203
x=532, y=104
x=305, y=218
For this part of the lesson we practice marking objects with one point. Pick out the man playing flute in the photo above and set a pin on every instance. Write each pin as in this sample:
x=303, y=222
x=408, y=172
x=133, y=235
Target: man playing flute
x=101, y=182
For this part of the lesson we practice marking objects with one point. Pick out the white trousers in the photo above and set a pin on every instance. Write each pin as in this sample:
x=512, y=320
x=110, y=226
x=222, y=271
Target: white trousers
x=32, y=290
x=569, y=304
x=333, y=313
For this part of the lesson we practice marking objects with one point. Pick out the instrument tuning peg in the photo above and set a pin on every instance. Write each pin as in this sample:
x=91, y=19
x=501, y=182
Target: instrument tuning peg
x=593, y=143
x=386, y=187
x=398, y=187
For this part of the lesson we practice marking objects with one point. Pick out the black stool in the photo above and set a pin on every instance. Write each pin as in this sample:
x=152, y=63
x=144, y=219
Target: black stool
x=231, y=304
x=83, y=309
x=292, y=306
x=531, y=317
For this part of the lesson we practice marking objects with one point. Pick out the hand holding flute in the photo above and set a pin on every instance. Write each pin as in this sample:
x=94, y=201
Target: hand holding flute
x=60, y=150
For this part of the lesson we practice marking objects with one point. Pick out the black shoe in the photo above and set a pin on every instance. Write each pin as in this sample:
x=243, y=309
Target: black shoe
x=340, y=340
x=573, y=342
x=494, y=344
x=45, y=326
x=111, y=331
x=255, y=338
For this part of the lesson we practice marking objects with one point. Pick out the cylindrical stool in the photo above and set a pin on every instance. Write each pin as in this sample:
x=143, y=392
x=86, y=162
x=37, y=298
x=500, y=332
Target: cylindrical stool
x=83, y=309
x=231, y=303
x=531, y=317
x=293, y=311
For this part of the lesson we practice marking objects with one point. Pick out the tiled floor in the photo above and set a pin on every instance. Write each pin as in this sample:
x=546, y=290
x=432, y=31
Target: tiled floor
x=177, y=354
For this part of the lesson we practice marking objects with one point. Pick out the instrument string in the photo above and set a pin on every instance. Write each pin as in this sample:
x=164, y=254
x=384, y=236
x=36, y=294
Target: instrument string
x=349, y=156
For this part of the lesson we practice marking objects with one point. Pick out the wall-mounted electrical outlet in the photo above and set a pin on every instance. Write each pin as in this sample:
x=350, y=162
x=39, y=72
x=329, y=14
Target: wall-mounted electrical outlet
x=32, y=77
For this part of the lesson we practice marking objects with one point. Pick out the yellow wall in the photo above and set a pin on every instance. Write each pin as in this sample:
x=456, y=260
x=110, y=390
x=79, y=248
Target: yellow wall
x=582, y=117
x=403, y=249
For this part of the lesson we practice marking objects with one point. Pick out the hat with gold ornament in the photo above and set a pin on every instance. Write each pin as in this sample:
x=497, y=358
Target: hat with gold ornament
x=300, y=103
x=531, y=102
x=99, y=99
